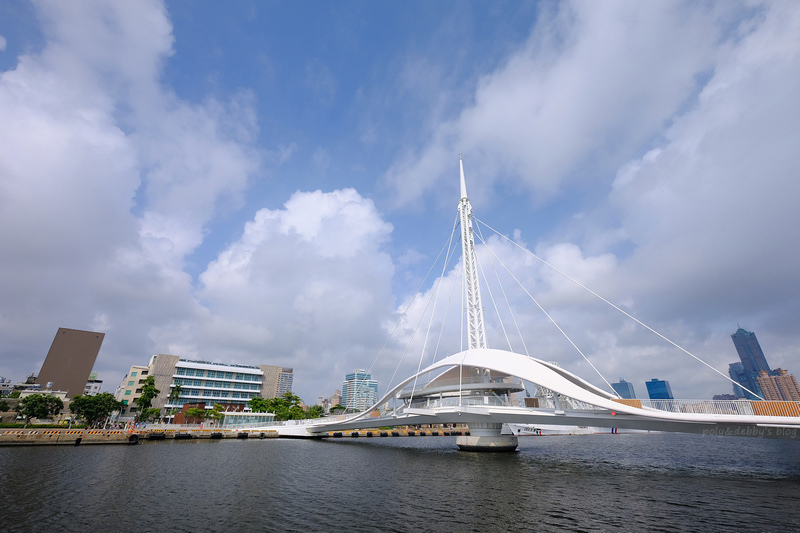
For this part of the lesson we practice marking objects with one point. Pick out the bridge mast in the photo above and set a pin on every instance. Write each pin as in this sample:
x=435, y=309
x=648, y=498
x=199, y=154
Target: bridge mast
x=475, y=327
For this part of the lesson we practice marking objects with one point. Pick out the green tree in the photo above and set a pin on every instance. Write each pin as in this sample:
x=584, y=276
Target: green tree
x=195, y=414
x=338, y=408
x=3, y=405
x=150, y=414
x=258, y=405
x=39, y=406
x=315, y=411
x=145, y=401
x=175, y=393
x=95, y=409
x=284, y=407
x=216, y=413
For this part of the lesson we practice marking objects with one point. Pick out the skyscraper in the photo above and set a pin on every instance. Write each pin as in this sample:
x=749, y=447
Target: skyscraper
x=659, y=389
x=750, y=351
x=753, y=362
x=624, y=389
x=737, y=373
x=359, y=390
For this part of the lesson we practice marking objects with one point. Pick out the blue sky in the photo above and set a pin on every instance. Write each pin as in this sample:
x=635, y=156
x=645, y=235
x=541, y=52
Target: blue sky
x=268, y=182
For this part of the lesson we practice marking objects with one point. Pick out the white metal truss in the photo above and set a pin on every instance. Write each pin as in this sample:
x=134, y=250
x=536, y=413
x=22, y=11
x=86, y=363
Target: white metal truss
x=475, y=326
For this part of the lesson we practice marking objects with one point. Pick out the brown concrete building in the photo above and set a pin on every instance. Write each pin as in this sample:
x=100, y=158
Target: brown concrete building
x=70, y=360
x=782, y=387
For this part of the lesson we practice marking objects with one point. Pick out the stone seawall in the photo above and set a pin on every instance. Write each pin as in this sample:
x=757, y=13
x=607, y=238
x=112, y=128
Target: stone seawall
x=76, y=437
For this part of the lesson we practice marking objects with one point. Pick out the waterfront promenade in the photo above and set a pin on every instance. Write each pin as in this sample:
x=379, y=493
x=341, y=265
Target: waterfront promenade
x=75, y=437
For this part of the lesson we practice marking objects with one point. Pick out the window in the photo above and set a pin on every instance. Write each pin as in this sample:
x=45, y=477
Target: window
x=133, y=374
x=130, y=384
x=138, y=391
x=124, y=402
x=180, y=371
x=190, y=371
x=144, y=372
x=127, y=393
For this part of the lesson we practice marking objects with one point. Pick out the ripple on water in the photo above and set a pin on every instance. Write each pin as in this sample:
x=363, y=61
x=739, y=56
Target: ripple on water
x=565, y=483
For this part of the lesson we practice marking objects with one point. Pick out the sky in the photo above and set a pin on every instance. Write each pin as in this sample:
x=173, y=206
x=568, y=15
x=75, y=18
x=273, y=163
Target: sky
x=270, y=182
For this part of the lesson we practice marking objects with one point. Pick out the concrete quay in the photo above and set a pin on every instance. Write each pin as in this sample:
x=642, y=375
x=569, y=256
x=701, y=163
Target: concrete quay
x=396, y=432
x=79, y=437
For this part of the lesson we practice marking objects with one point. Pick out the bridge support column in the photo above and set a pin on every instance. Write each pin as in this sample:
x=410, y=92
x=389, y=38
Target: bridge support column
x=486, y=437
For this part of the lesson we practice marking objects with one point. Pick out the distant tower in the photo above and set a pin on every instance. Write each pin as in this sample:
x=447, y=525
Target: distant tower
x=624, y=389
x=750, y=351
x=753, y=362
x=659, y=389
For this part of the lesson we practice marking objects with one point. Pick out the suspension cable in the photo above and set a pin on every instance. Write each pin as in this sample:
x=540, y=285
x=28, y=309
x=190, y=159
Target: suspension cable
x=505, y=296
x=590, y=291
x=403, y=314
x=552, y=320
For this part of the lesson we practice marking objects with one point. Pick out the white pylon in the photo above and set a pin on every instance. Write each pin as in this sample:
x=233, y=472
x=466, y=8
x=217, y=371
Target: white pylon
x=475, y=327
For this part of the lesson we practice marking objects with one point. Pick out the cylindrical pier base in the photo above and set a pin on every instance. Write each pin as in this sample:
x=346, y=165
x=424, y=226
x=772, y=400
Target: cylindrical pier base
x=486, y=437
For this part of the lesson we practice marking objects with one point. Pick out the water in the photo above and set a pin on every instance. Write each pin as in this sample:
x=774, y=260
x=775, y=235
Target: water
x=656, y=482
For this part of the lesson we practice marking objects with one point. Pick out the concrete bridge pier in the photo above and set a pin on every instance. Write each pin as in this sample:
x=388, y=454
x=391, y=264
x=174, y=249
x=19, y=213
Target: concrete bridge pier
x=486, y=437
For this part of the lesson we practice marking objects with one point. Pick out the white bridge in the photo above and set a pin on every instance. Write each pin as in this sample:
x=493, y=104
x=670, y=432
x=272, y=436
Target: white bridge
x=477, y=387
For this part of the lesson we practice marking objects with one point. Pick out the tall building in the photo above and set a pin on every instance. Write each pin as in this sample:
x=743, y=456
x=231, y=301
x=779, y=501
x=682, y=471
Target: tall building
x=359, y=390
x=782, y=387
x=750, y=351
x=336, y=398
x=624, y=389
x=753, y=362
x=748, y=373
x=737, y=373
x=278, y=380
x=202, y=381
x=659, y=389
x=70, y=360
x=130, y=389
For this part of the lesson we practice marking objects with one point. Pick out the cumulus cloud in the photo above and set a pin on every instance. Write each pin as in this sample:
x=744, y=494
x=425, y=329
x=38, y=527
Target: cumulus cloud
x=305, y=285
x=107, y=182
x=592, y=84
x=688, y=116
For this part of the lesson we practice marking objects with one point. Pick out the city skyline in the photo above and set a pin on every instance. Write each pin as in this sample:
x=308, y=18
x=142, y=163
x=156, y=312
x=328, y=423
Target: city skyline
x=271, y=182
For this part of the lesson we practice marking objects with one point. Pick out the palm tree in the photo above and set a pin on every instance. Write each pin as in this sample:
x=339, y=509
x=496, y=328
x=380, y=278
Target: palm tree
x=174, y=394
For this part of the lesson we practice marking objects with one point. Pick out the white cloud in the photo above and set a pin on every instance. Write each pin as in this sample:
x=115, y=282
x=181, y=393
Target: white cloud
x=106, y=182
x=304, y=286
x=593, y=83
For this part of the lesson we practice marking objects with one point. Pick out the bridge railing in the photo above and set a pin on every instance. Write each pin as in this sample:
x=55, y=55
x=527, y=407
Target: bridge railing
x=454, y=382
x=708, y=407
x=720, y=407
x=453, y=401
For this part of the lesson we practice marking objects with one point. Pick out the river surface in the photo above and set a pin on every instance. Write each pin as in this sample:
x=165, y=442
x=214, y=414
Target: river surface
x=628, y=482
